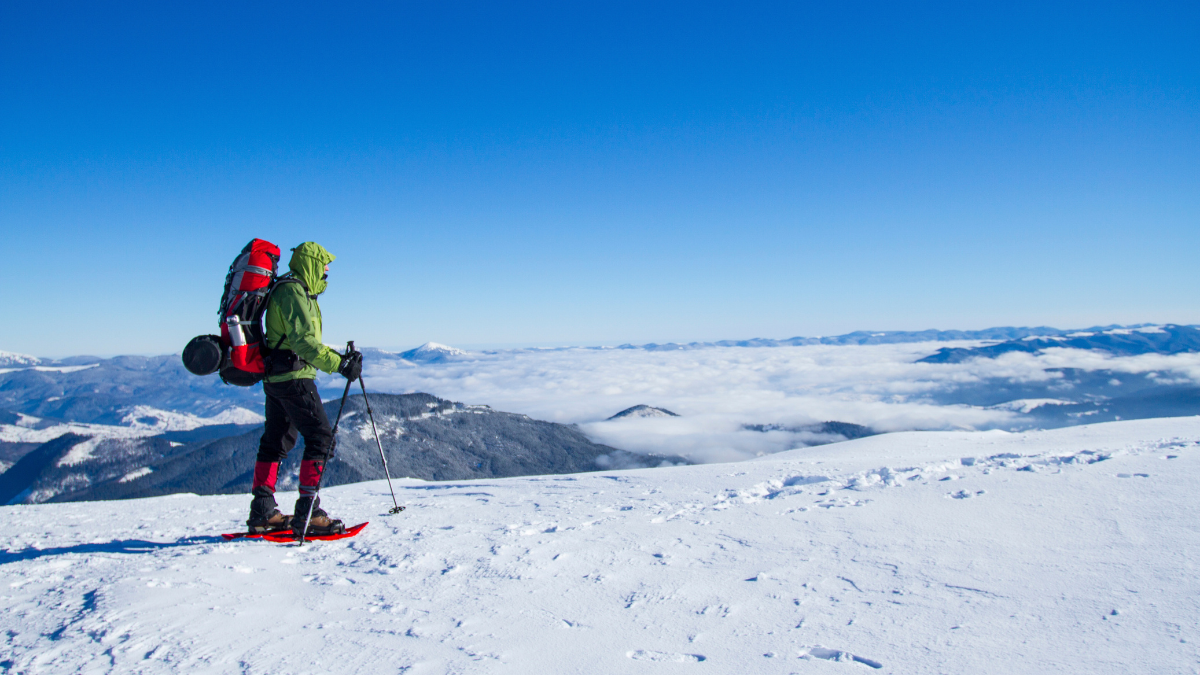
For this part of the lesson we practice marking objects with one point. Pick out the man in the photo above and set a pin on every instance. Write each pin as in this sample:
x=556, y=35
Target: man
x=292, y=326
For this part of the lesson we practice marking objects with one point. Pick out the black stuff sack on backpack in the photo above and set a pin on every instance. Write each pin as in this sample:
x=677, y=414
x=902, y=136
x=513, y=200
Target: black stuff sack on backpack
x=203, y=355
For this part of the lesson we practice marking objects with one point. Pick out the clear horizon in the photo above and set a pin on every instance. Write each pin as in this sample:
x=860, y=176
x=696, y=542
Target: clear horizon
x=479, y=347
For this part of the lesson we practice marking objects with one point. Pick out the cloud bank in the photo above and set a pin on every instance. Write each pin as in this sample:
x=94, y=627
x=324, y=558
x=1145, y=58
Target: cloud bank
x=718, y=390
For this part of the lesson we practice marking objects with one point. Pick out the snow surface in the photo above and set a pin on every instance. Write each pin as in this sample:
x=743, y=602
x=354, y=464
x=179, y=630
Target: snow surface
x=1065, y=551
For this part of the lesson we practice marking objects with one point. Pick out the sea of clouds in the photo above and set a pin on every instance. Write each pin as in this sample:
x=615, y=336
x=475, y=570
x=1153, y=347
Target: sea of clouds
x=718, y=390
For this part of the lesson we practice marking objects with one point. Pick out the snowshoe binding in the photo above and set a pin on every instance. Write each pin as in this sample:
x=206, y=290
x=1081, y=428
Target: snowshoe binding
x=265, y=517
x=320, y=524
x=275, y=522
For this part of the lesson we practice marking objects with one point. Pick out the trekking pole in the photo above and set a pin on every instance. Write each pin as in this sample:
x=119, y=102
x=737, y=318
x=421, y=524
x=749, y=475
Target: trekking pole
x=396, y=508
x=332, y=450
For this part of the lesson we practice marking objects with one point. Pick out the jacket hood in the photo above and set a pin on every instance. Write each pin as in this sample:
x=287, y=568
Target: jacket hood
x=308, y=264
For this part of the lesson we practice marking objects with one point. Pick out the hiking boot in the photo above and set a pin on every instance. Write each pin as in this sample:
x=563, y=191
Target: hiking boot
x=274, y=522
x=265, y=517
x=319, y=524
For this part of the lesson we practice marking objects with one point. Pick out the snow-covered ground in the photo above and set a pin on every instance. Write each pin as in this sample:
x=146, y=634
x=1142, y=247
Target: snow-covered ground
x=1066, y=551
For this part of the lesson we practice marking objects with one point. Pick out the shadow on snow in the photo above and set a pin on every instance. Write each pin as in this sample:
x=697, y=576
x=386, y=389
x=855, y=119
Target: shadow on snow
x=126, y=546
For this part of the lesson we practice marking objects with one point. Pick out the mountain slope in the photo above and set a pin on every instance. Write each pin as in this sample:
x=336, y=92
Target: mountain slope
x=74, y=464
x=14, y=360
x=423, y=436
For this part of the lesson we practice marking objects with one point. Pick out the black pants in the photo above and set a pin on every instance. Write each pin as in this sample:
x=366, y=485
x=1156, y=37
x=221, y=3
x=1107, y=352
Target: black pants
x=294, y=408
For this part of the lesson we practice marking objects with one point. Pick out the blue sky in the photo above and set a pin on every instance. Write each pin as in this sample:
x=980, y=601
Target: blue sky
x=590, y=173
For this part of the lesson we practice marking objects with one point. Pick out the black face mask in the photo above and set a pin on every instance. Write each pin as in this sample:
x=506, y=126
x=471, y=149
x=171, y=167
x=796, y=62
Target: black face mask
x=325, y=277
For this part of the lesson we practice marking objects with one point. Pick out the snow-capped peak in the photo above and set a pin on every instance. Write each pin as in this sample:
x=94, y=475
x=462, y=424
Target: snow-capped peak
x=432, y=352
x=643, y=411
x=15, y=360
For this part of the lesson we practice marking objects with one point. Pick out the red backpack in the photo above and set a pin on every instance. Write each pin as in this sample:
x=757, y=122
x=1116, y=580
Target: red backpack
x=247, y=286
x=238, y=352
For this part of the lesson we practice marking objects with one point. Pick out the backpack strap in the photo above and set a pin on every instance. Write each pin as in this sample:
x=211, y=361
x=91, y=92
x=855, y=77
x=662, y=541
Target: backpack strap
x=290, y=278
x=278, y=360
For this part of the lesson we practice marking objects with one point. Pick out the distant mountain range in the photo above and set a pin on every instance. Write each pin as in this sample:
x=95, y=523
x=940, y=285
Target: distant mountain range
x=103, y=391
x=1070, y=396
x=423, y=436
x=864, y=338
x=432, y=352
x=87, y=427
x=118, y=399
x=1168, y=339
x=88, y=389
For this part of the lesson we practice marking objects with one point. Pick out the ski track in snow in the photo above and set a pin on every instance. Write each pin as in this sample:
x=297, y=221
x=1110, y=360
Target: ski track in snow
x=1066, y=551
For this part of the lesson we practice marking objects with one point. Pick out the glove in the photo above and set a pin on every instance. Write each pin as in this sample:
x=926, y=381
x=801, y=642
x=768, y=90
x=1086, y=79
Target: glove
x=351, y=367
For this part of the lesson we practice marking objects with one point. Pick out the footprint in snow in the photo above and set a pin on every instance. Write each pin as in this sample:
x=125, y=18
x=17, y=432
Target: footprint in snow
x=837, y=655
x=963, y=494
x=663, y=657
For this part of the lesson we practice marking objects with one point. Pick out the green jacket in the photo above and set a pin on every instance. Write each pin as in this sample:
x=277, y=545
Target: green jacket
x=294, y=315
